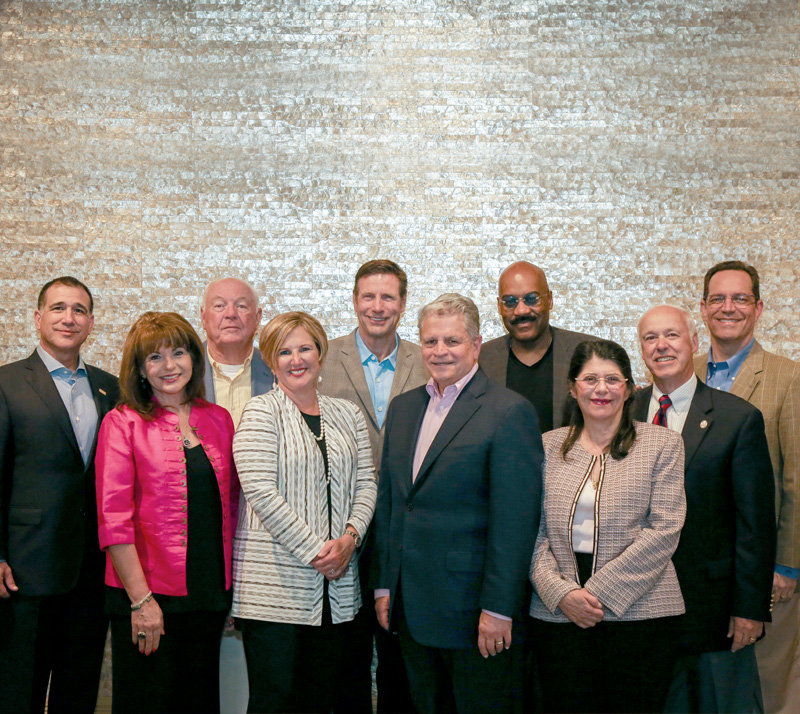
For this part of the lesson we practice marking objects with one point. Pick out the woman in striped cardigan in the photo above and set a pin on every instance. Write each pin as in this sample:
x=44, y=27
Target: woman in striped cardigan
x=309, y=492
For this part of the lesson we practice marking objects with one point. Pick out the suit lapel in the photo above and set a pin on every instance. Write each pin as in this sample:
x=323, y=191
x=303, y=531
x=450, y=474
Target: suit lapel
x=460, y=413
x=355, y=373
x=103, y=403
x=561, y=359
x=407, y=437
x=402, y=370
x=42, y=383
x=261, y=377
x=698, y=421
x=750, y=374
x=208, y=377
x=640, y=403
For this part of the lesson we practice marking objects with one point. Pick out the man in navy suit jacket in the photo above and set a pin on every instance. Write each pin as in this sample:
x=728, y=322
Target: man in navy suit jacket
x=457, y=517
x=726, y=552
x=52, y=622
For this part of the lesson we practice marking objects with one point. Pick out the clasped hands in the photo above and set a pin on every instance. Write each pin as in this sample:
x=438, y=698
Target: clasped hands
x=334, y=558
x=582, y=608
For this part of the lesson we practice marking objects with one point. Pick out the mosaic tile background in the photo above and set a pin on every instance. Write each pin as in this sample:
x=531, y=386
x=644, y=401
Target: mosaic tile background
x=625, y=146
x=149, y=147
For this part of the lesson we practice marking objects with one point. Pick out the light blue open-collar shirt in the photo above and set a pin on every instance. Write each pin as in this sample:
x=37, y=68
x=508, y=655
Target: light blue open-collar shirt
x=76, y=393
x=722, y=374
x=379, y=376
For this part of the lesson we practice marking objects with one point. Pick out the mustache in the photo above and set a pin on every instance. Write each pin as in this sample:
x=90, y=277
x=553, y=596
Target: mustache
x=522, y=319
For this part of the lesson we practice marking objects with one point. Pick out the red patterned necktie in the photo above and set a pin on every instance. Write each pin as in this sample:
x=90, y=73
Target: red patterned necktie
x=661, y=415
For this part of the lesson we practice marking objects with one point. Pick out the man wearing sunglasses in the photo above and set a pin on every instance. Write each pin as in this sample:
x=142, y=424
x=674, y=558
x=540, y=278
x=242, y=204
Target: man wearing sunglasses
x=737, y=363
x=533, y=358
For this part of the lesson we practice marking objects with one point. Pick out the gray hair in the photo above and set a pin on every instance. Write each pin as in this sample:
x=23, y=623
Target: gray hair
x=245, y=283
x=454, y=304
x=688, y=318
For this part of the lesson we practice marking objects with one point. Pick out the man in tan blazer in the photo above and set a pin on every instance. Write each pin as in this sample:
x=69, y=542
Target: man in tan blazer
x=735, y=362
x=370, y=367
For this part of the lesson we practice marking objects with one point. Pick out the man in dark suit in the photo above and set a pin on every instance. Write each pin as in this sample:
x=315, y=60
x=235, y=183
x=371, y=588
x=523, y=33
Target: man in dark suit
x=533, y=358
x=726, y=552
x=234, y=373
x=52, y=625
x=370, y=366
x=457, y=516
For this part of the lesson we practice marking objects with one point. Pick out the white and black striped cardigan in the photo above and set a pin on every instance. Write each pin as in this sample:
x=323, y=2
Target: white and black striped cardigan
x=283, y=515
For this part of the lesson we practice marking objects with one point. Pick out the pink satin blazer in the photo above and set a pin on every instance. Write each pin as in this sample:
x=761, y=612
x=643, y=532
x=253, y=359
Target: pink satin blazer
x=142, y=492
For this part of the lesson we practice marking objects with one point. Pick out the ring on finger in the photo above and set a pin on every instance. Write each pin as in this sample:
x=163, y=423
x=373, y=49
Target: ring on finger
x=141, y=635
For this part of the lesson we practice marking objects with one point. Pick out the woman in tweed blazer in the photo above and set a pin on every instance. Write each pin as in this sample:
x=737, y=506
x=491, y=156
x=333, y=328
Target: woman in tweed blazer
x=606, y=592
x=309, y=493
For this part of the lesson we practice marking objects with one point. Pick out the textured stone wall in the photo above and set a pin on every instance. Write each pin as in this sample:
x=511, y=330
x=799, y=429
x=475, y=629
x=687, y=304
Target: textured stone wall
x=148, y=147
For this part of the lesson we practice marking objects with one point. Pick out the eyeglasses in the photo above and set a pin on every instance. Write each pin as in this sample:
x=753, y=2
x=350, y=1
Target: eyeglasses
x=613, y=381
x=530, y=300
x=739, y=300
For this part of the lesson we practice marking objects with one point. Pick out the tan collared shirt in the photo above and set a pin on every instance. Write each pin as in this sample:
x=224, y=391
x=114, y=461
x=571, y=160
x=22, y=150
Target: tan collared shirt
x=232, y=391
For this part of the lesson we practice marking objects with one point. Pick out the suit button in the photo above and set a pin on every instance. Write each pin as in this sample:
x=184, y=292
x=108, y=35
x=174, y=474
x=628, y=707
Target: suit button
x=410, y=507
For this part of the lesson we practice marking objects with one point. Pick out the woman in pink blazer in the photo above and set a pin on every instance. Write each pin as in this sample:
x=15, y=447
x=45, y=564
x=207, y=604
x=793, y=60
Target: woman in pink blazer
x=167, y=500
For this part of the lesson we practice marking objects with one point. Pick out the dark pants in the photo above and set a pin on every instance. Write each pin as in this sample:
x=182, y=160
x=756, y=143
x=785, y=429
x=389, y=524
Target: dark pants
x=394, y=695
x=716, y=682
x=295, y=668
x=58, y=639
x=445, y=681
x=181, y=676
x=613, y=667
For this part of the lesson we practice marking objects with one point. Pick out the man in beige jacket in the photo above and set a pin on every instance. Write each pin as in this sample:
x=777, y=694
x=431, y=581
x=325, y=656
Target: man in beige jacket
x=371, y=366
x=735, y=362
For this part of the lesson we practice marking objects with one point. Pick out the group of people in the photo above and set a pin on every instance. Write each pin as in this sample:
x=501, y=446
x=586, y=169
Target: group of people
x=513, y=526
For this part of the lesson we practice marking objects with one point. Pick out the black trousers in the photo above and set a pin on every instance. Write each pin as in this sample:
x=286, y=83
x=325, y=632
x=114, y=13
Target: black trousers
x=182, y=676
x=613, y=667
x=57, y=639
x=295, y=668
x=394, y=694
x=445, y=681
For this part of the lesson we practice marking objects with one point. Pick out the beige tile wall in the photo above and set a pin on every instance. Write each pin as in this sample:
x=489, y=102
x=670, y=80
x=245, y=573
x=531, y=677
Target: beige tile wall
x=147, y=147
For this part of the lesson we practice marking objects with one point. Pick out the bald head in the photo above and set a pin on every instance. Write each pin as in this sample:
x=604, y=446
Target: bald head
x=527, y=324
x=668, y=341
x=230, y=317
x=524, y=270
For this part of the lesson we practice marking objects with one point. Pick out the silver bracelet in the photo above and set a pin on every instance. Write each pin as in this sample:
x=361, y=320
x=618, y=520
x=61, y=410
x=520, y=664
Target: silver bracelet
x=145, y=599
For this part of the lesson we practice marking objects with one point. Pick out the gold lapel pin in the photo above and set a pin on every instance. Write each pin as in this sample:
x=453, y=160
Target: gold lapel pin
x=102, y=391
x=703, y=424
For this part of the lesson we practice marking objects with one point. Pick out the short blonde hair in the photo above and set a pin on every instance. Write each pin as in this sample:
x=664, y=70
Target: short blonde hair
x=281, y=326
